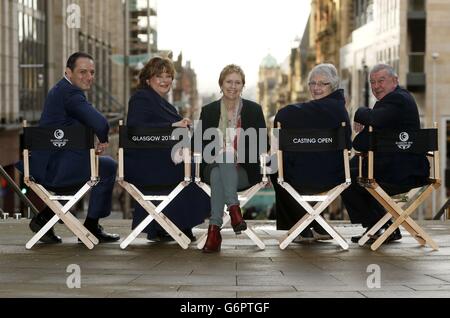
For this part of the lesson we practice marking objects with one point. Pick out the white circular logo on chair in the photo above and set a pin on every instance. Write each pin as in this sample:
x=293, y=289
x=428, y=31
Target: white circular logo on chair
x=403, y=136
x=404, y=143
x=59, y=134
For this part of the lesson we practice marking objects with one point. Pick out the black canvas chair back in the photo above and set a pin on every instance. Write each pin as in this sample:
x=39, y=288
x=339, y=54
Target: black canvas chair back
x=76, y=137
x=152, y=138
x=404, y=141
x=141, y=138
x=55, y=139
x=313, y=141
x=420, y=142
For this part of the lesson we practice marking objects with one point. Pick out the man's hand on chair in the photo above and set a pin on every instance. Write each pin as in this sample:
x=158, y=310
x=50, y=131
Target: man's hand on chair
x=100, y=148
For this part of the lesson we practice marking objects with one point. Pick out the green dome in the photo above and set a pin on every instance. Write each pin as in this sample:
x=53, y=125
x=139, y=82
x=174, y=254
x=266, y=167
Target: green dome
x=269, y=62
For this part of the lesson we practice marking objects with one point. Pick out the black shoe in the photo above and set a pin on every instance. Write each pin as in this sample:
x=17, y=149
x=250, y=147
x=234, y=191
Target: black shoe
x=161, y=236
x=306, y=236
x=189, y=234
x=355, y=239
x=319, y=233
x=103, y=237
x=165, y=237
x=37, y=222
x=395, y=236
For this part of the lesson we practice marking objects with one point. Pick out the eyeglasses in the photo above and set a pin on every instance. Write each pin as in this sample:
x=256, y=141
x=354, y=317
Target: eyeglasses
x=319, y=84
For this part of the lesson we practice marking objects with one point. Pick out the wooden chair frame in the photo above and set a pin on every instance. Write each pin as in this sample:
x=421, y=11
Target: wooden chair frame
x=400, y=211
x=155, y=213
x=62, y=211
x=313, y=212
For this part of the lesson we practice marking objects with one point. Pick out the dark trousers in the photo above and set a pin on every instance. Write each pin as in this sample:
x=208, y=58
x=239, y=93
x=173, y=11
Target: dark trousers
x=100, y=201
x=361, y=206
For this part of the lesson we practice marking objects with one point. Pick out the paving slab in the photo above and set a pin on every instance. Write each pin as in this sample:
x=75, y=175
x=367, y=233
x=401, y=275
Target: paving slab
x=241, y=270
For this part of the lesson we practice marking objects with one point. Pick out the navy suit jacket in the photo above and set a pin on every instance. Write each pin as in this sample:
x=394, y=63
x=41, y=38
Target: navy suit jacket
x=147, y=167
x=315, y=170
x=66, y=105
x=397, y=110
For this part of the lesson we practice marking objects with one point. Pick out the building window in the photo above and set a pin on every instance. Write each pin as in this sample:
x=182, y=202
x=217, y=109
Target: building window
x=32, y=57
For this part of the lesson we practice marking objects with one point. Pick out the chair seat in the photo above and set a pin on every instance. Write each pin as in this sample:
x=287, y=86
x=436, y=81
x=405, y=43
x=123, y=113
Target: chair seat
x=394, y=189
x=66, y=190
x=157, y=188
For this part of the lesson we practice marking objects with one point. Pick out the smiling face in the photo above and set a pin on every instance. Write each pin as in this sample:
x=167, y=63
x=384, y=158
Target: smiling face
x=161, y=83
x=232, y=86
x=83, y=74
x=382, y=83
x=319, y=86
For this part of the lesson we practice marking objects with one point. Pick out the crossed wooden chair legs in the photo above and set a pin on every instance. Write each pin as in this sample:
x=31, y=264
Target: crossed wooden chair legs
x=155, y=213
x=400, y=215
x=62, y=212
x=313, y=214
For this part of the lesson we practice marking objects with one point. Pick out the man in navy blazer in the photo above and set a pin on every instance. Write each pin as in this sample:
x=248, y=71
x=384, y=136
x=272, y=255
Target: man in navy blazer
x=396, y=173
x=66, y=105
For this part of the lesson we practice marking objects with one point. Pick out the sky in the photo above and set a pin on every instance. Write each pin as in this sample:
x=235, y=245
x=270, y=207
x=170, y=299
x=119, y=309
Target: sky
x=214, y=33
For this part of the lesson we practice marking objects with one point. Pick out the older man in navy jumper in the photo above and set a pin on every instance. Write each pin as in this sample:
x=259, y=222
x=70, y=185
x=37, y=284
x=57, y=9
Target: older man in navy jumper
x=66, y=105
x=397, y=173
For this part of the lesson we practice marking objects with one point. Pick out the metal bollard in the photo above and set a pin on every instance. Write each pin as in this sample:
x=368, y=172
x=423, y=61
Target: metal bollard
x=17, y=216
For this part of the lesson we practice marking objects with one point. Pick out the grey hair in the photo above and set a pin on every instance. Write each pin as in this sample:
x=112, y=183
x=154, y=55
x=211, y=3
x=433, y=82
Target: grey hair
x=380, y=67
x=328, y=70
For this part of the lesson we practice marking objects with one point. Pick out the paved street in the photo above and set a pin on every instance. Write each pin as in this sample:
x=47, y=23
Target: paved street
x=241, y=270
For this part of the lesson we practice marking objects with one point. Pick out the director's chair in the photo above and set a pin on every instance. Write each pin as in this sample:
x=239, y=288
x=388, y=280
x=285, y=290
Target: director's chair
x=243, y=197
x=423, y=141
x=60, y=139
x=153, y=138
x=302, y=140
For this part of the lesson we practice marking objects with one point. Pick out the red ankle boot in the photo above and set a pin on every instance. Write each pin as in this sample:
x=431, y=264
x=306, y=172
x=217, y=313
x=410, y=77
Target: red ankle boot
x=214, y=240
x=237, y=222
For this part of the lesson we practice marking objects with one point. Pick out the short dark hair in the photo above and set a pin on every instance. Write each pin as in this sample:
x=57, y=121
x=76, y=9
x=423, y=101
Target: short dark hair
x=155, y=66
x=72, y=60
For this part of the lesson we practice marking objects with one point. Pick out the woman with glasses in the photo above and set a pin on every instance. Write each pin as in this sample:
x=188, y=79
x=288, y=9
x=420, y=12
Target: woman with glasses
x=153, y=170
x=229, y=169
x=311, y=172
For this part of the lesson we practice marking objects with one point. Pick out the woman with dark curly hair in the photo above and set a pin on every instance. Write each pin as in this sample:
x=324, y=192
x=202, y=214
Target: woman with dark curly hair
x=153, y=170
